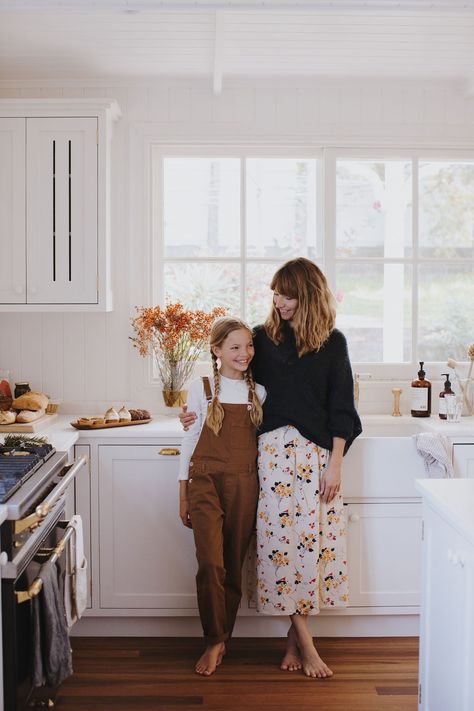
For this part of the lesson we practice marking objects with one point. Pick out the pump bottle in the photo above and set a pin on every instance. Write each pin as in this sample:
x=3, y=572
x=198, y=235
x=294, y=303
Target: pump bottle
x=441, y=401
x=421, y=395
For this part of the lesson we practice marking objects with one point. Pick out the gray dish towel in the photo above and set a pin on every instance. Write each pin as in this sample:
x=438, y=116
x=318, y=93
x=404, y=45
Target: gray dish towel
x=52, y=658
x=436, y=453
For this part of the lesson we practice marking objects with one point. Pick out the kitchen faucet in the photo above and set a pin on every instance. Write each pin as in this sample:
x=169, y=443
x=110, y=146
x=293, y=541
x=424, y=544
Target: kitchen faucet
x=357, y=377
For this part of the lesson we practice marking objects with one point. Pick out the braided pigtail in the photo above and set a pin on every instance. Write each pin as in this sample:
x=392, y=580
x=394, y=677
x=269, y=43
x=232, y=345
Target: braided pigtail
x=215, y=411
x=256, y=412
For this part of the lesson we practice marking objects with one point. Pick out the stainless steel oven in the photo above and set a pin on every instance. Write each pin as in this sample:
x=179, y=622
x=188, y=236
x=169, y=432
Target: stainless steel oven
x=35, y=529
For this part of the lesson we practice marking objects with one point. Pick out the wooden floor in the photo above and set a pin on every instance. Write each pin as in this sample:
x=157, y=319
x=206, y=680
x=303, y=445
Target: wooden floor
x=138, y=674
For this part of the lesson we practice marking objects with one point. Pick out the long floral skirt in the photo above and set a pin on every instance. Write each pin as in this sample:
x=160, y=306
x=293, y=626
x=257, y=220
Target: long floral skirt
x=301, y=541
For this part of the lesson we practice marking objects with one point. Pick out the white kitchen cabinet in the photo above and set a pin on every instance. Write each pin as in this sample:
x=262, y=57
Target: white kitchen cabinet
x=383, y=552
x=55, y=166
x=147, y=558
x=61, y=186
x=463, y=460
x=447, y=618
x=12, y=211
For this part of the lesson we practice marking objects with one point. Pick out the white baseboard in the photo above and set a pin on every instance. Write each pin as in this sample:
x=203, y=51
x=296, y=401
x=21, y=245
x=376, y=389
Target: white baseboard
x=344, y=626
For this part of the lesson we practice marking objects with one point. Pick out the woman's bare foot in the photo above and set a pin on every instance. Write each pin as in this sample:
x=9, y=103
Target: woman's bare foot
x=313, y=665
x=210, y=660
x=292, y=659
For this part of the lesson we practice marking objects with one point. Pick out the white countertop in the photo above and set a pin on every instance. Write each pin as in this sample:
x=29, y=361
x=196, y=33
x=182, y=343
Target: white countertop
x=453, y=499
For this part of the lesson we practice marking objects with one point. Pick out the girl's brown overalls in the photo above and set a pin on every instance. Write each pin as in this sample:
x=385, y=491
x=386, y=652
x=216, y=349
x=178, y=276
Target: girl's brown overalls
x=222, y=495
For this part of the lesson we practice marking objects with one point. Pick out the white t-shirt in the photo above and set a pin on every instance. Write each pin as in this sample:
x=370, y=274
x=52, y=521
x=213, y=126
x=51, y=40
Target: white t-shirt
x=231, y=392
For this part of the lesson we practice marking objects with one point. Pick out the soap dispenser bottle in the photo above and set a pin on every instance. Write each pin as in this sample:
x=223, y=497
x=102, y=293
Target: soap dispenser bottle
x=421, y=395
x=441, y=401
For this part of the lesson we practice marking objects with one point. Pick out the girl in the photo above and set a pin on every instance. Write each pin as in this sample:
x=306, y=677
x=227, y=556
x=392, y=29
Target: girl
x=309, y=422
x=218, y=481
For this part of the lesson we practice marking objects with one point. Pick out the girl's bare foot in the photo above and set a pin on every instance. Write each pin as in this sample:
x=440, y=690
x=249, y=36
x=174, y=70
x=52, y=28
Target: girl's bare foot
x=313, y=665
x=292, y=659
x=212, y=657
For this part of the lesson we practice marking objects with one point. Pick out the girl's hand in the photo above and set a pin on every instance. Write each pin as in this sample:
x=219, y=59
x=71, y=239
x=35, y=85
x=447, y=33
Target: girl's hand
x=187, y=418
x=184, y=513
x=330, y=481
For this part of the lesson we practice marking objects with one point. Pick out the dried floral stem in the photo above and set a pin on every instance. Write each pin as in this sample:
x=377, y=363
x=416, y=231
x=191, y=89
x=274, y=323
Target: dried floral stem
x=175, y=336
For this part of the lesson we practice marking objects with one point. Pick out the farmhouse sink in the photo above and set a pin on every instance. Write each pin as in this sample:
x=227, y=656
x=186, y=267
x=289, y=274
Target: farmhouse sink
x=383, y=462
x=386, y=426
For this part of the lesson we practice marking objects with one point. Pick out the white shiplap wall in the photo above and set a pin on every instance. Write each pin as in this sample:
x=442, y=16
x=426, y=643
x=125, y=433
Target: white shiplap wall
x=87, y=359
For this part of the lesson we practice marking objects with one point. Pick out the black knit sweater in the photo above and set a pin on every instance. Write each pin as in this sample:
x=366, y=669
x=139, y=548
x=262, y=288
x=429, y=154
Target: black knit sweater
x=314, y=393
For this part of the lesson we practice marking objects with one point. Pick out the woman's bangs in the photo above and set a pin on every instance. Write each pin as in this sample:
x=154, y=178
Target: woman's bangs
x=284, y=284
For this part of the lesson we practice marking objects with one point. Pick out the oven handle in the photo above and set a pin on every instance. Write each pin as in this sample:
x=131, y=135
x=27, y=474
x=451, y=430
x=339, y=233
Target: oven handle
x=44, y=507
x=37, y=584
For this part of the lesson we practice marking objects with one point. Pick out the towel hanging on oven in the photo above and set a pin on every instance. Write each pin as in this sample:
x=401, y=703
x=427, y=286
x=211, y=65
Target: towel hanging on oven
x=75, y=581
x=52, y=658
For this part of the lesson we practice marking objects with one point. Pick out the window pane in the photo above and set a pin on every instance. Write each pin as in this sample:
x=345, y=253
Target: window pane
x=258, y=296
x=446, y=311
x=201, y=207
x=446, y=209
x=374, y=311
x=281, y=208
x=373, y=208
x=203, y=285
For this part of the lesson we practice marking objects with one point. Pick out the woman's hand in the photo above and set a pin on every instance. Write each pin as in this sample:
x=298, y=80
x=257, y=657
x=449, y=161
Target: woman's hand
x=330, y=482
x=187, y=418
x=331, y=477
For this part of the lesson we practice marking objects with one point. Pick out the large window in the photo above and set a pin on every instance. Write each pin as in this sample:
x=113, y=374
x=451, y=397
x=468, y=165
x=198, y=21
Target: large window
x=393, y=232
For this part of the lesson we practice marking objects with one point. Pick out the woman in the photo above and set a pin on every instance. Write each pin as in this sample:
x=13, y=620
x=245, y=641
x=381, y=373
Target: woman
x=309, y=422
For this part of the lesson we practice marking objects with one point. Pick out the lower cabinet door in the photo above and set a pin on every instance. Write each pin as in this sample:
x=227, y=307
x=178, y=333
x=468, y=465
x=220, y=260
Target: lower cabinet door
x=447, y=619
x=147, y=558
x=383, y=552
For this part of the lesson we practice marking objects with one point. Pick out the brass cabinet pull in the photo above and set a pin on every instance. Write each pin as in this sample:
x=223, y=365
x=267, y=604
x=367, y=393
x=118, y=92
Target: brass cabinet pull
x=169, y=451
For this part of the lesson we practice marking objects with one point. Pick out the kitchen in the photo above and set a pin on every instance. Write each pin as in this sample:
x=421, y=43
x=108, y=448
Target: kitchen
x=335, y=85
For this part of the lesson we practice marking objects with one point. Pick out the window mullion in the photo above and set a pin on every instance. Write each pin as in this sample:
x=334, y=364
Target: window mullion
x=243, y=236
x=415, y=247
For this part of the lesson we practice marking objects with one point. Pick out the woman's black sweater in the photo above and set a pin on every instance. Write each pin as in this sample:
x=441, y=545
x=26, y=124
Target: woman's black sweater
x=315, y=393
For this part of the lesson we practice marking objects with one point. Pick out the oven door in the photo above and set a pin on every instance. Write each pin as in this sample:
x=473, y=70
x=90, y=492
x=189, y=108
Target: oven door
x=17, y=623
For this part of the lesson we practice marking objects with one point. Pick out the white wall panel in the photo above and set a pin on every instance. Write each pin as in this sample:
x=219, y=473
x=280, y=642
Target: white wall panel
x=88, y=357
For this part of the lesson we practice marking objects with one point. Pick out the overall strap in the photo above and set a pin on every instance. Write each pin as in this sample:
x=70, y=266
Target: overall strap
x=207, y=388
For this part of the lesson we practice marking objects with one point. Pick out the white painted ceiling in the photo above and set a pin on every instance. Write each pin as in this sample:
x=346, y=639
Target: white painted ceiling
x=116, y=39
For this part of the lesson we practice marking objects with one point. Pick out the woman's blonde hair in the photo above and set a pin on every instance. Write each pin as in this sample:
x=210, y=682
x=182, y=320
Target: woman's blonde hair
x=316, y=311
x=221, y=329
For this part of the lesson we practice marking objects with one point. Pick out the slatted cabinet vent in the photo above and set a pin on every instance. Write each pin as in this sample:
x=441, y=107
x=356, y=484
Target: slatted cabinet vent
x=62, y=210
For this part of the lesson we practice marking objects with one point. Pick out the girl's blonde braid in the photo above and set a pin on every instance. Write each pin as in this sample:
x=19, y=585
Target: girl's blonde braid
x=215, y=411
x=256, y=412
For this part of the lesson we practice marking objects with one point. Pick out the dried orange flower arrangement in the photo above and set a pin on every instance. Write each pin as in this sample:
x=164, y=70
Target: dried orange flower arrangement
x=175, y=336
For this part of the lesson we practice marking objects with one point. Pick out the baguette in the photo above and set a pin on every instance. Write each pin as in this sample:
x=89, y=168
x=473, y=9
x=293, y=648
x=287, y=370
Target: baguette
x=29, y=415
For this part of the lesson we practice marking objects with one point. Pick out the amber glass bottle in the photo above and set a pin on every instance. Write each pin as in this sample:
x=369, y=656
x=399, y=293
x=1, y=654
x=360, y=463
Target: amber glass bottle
x=421, y=395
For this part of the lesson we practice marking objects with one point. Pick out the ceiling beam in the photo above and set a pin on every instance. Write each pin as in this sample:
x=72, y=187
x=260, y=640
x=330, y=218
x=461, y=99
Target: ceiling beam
x=333, y=6
x=218, y=68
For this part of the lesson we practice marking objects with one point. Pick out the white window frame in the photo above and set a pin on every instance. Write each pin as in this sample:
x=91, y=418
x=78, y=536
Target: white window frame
x=326, y=220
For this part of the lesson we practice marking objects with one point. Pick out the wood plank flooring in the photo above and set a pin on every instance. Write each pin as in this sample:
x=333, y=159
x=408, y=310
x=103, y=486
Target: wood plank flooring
x=156, y=674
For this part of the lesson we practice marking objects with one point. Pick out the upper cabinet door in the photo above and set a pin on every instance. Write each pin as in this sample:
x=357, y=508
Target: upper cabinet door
x=12, y=211
x=62, y=256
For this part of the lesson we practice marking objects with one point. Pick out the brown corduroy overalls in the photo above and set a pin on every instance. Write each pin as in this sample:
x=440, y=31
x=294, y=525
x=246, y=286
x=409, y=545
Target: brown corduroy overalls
x=222, y=496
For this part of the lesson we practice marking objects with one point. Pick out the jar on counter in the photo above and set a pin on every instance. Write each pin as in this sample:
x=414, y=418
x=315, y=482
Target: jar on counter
x=21, y=389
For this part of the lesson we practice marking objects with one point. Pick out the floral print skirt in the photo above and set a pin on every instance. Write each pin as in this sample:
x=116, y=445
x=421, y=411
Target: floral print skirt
x=301, y=541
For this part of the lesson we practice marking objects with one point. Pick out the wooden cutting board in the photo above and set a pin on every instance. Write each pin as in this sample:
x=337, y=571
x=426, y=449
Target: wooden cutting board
x=35, y=426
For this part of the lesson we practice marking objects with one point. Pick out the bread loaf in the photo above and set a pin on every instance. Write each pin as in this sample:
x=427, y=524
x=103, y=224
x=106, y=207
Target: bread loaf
x=7, y=417
x=31, y=401
x=29, y=415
